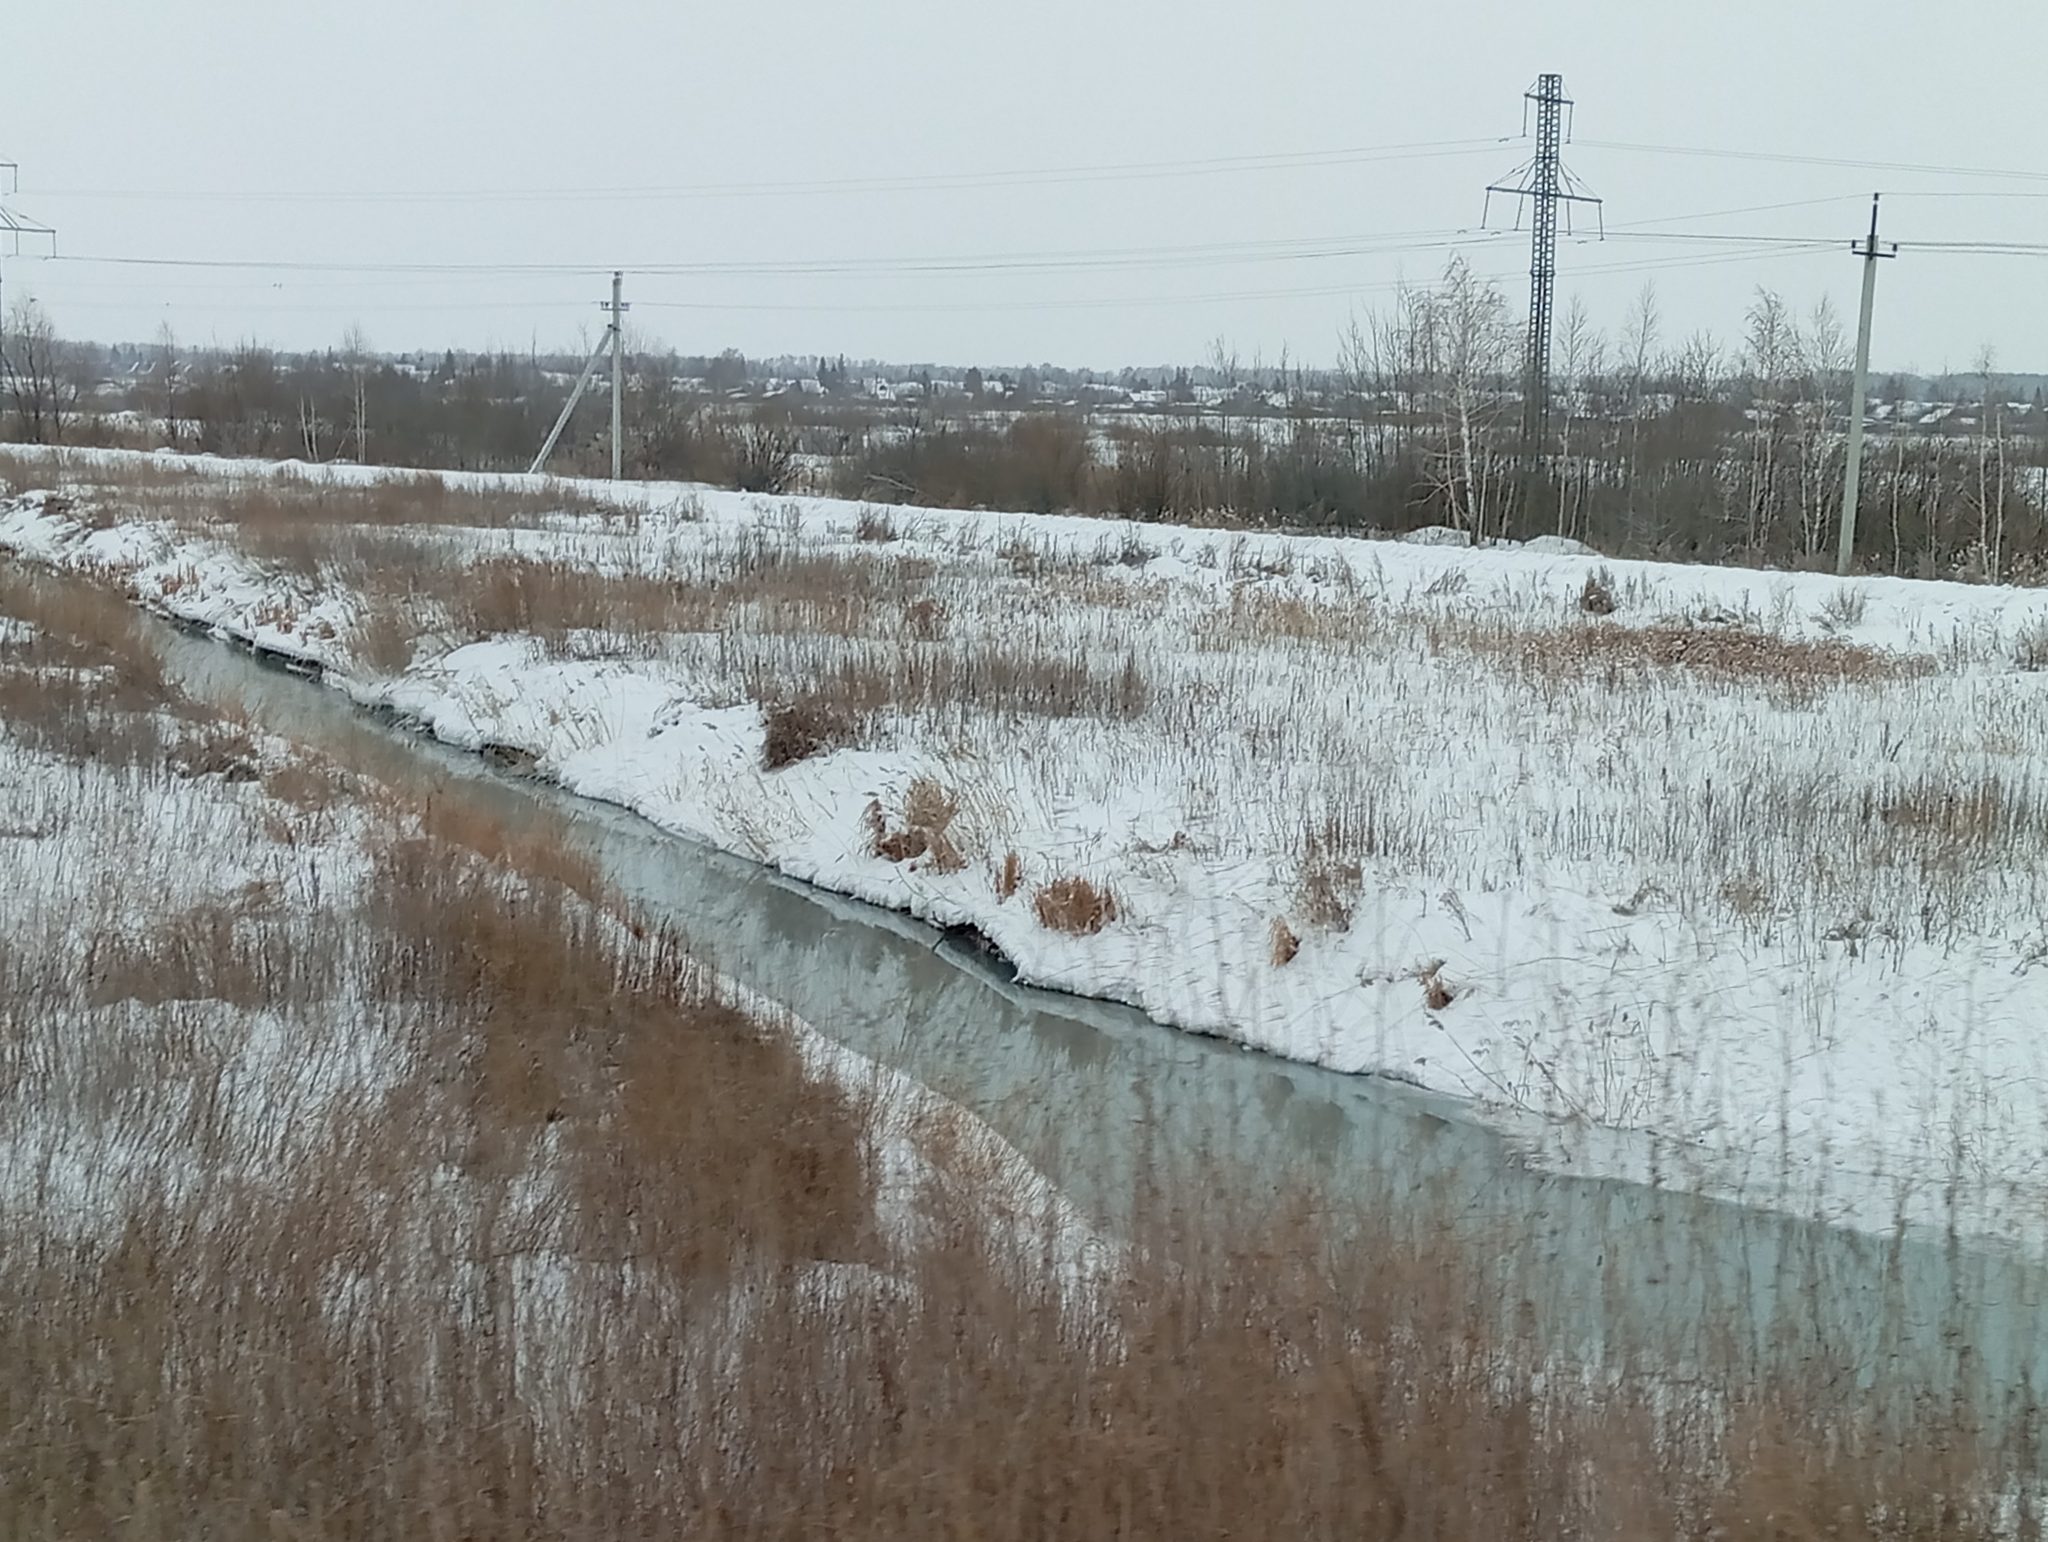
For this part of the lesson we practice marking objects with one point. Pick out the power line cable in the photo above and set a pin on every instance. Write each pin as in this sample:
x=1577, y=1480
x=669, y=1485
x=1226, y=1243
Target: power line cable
x=933, y=182
x=1642, y=265
x=1915, y=168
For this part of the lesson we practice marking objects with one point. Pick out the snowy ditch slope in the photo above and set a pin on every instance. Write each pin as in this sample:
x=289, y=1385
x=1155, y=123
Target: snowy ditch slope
x=1730, y=879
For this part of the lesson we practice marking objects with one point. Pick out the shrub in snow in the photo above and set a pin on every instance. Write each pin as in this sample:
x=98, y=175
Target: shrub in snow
x=800, y=729
x=1076, y=906
x=1596, y=596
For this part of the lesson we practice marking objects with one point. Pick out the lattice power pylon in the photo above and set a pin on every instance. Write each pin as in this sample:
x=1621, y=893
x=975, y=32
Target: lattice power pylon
x=14, y=226
x=1547, y=187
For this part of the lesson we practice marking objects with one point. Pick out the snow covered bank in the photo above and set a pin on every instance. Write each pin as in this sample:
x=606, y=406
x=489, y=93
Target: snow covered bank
x=1731, y=877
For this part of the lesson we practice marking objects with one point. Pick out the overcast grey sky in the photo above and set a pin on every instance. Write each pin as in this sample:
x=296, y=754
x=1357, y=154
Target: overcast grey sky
x=275, y=123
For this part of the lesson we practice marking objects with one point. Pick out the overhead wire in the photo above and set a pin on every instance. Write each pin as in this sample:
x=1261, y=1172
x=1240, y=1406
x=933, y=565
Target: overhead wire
x=934, y=182
x=994, y=305
x=338, y=274
x=1850, y=163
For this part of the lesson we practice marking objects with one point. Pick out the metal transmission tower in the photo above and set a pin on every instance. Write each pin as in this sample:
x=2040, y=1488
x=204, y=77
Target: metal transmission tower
x=13, y=226
x=1543, y=182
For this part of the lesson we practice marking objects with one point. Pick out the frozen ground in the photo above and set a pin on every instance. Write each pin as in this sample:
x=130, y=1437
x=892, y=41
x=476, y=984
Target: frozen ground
x=1739, y=886
x=187, y=1011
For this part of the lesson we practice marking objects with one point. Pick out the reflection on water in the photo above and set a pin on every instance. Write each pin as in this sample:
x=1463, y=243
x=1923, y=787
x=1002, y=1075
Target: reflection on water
x=1112, y=1107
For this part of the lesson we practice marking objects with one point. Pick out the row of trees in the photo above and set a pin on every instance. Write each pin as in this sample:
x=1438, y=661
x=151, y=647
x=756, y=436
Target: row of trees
x=1684, y=447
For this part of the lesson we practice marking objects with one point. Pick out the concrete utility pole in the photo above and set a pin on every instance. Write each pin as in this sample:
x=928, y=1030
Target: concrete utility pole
x=561, y=422
x=618, y=309
x=614, y=339
x=1852, y=470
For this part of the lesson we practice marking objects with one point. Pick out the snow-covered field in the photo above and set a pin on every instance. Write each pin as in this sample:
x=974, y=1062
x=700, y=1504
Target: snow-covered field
x=1738, y=884
x=191, y=1004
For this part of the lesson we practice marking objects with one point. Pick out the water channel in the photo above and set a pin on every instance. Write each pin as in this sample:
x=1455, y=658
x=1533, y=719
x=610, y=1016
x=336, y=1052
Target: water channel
x=1110, y=1106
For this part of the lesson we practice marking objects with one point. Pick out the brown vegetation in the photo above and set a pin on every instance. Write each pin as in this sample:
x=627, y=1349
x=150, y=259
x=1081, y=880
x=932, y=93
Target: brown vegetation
x=1436, y=990
x=1596, y=595
x=1329, y=882
x=605, y=1259
x=1074, y=905
x=1010, y=876
x=1285, y=945
x=1733, y=654
x=928, y=815
x=797, y=730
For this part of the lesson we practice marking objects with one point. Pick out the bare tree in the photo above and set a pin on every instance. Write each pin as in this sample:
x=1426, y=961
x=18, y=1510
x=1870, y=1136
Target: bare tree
x=355, y=353
x=168, y=384
x=311, y=425
x=1223, y=361
x=1768, y=351
x=1469, y=341
x=1824, y=360
x=1582, y=358
x=1991, y=469
x=40, y=388
x=1640, y=334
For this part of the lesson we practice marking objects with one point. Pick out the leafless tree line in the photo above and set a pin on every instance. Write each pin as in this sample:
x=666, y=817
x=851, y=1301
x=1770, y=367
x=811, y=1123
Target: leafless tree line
x=1687, y=448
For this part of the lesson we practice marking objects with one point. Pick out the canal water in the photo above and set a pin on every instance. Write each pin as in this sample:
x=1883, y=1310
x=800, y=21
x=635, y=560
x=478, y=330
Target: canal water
x=1121, y=1112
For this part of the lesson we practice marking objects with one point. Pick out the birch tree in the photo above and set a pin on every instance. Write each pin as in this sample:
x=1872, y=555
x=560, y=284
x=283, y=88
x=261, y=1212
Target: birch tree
x=168, y=382
x=1824, y=363
x=355, y=352
x=1471, y=343
x=1991, y=469
x=1639, y=341
x=1582, y=356
x=1767, y=355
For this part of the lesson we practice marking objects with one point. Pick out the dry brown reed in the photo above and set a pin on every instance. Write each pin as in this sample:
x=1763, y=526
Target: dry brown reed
x=608, y=1259
x=1074, y=905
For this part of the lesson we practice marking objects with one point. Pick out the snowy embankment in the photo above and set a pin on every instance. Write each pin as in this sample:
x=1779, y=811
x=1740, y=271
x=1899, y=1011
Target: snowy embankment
x=1733, y=878
x=174, y=879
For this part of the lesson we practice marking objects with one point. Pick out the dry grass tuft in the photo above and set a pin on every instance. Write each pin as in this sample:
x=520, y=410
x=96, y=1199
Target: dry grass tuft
x=1010, y=876
x=928, y=815
x=1258, y=616
x=1329, y=883
x=383, y=634
x=305, y=784
x=1986, y=814
x=1596, y=595
x=1845, y=606
x=1076, y=906
x=1792, y=667
x=224, y=749
x=2030, y=647
x=1285, y=945
x=1436, y=990
x=799, y=730
x=551, y=599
